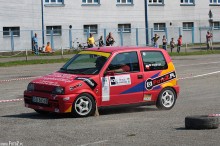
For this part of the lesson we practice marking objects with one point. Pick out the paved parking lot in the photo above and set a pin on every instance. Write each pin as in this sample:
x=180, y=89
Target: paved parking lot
x=199, y=78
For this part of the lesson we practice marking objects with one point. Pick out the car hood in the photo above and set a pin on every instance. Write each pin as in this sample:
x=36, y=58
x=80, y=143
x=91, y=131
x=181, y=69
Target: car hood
x=56, y=79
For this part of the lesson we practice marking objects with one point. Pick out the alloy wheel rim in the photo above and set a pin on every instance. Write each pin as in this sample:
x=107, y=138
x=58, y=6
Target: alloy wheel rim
x=83, y=105
x=168, y=99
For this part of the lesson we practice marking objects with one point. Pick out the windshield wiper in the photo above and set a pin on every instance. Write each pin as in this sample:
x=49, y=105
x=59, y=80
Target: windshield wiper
x=74, y=71
x=63, y=69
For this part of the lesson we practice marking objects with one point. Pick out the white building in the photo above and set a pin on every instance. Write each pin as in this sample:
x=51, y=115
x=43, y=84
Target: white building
x=124, y=18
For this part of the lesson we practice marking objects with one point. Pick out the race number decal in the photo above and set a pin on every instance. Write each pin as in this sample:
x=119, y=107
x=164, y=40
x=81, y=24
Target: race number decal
x=150, y=83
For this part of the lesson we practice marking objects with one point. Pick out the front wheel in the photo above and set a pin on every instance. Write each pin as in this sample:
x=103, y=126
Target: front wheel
x=166, y=99
x=83, y=106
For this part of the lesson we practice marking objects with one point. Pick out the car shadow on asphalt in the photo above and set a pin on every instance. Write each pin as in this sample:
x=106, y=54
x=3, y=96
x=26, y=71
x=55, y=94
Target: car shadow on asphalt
x=35, y=115
x=124, y=110
x=105, y=111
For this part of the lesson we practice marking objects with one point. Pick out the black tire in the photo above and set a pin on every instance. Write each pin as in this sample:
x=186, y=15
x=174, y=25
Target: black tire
x=83, y=106
x=42, y=112
x=201, y=122
x=166, y=99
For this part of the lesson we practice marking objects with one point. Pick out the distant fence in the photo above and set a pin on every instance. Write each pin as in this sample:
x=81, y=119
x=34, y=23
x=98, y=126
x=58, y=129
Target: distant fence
x=69, y=38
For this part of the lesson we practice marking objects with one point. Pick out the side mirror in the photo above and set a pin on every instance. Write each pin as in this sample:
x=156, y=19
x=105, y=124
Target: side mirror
x=110, y=73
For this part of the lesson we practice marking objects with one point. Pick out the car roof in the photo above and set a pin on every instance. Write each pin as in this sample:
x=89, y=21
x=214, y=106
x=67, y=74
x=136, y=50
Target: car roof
x=111, y=49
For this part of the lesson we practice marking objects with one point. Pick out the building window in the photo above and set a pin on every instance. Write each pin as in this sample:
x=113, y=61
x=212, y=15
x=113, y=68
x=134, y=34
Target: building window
x=215, y=2
x=159, y=26
x=124, y=1
x=187, y=1
x=188, y=25
x=156, y=1
x=216, y=25
x=90, y=1
x=91, y=28
x=15, y=31
x=124, y=28
x=56, y=30
x=54, y=1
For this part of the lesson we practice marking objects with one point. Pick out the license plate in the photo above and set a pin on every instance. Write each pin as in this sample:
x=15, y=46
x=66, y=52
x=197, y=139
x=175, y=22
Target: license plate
x=39, y=100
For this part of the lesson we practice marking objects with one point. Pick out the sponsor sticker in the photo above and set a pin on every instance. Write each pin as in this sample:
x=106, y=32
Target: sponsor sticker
x=105, y=89
x=150, y=83
x=120, y=80
x=75, y=86
x=147, y=97
x=90, y=82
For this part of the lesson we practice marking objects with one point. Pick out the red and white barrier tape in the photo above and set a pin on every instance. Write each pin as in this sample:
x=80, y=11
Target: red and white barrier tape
x=18, y=79
x=11, y=100
x=214, y=115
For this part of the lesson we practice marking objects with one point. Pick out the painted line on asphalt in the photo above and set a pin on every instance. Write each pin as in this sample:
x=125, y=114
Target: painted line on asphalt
x=201, y=75
x=94, y=143
x=198, y=64
x=11, y=100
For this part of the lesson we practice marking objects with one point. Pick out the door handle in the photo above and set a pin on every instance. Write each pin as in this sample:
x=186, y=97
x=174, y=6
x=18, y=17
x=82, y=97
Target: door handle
x=140, y=76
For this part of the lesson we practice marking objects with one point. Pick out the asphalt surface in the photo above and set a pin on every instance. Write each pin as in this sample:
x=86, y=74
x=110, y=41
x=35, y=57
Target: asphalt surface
x=199, y=78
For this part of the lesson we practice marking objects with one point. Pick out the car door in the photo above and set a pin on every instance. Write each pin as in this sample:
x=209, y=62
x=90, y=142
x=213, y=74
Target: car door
x=123, y=87
x=155, y=68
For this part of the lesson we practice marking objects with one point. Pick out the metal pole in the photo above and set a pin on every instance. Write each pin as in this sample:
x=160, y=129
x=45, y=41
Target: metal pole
x=136, y=36
x=70, y=38
x=105, y=36
x=51, y=40
x=121, y=36
x=146, y=21
x=42, y=15
x=12, y=41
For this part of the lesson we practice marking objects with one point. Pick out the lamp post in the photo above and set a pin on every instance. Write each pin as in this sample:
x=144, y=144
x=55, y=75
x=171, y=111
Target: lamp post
x=42, y=17
x=146, y=20
x=210, y=19
x=211, y=26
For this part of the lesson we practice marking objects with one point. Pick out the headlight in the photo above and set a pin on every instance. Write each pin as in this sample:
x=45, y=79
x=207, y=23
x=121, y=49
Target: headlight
x=30, y=87
x=58, y=90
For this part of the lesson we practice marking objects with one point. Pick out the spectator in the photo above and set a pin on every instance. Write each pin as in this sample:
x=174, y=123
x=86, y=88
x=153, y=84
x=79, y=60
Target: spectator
x=172, y=44
x=48, y=48
x=110, y=40
x=179, y=43
x=91, y=41
x=155, y=40
x=101, y=42
x=164, y=41
x=35, y=44
x=209, y=40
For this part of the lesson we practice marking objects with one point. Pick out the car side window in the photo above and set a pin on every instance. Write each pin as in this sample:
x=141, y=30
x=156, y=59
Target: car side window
x=153, y=60
x=125, y=62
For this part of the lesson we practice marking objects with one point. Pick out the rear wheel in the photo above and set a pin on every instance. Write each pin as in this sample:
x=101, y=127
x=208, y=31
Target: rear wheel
x=83, y=106
x=166, y=99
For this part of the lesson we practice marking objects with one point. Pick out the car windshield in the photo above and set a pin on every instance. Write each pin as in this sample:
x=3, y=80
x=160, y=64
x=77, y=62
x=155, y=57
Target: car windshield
x=86, y=62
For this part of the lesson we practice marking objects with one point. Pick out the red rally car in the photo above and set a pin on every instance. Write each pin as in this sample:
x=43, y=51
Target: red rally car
x=103, y=77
